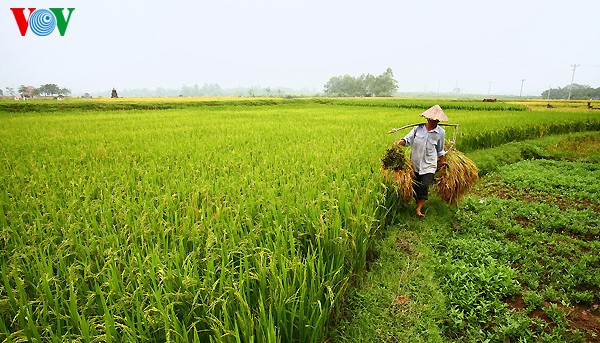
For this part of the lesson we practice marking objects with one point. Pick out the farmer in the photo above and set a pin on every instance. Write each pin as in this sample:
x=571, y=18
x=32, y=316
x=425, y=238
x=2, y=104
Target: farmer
x=427, y=152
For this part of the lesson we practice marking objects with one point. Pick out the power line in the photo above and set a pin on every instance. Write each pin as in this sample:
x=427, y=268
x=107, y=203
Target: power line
x=548, y=72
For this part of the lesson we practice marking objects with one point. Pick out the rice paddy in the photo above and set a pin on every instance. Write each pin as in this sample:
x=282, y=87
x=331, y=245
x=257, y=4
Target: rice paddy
x=225, y=221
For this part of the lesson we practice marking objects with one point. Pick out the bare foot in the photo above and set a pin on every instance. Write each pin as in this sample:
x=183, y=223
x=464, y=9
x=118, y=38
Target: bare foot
x=420, y=203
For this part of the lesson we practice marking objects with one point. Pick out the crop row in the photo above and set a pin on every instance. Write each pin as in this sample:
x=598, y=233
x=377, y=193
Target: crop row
x=48, y=105
x=180, y=225
x=222, y=223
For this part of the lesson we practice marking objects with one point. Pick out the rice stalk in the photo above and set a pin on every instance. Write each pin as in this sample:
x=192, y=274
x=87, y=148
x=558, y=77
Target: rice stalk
x=453, y=182
x=397, y=170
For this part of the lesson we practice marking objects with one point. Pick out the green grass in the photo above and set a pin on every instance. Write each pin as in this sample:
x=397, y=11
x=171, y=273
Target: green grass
x=198, y=222
x=581, y=146
x=400, y=299
x=506, y=265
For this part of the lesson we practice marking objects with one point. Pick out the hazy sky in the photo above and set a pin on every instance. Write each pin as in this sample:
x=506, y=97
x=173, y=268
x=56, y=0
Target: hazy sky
x=430, y=45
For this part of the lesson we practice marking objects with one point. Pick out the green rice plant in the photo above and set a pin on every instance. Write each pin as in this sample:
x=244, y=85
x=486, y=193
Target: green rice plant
x=245, y=221
x=160, y=228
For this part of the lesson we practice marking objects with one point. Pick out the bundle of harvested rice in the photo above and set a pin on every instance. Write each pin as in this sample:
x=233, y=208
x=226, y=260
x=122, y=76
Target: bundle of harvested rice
x=453, y=181
x=397, y=169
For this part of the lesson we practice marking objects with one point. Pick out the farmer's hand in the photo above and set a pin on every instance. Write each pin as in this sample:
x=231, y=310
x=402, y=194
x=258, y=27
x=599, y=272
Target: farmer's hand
x=401, y=142
x=442, y=163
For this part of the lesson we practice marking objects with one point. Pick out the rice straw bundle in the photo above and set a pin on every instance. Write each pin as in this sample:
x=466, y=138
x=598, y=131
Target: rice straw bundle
x=453, y=182
x=397, y=169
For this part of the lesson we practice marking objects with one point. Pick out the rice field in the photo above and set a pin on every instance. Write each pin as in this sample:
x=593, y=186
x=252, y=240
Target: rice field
x=219, y=221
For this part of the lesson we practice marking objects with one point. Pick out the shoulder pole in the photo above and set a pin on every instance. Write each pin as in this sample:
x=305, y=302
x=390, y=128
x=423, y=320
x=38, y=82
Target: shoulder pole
x=411, y=125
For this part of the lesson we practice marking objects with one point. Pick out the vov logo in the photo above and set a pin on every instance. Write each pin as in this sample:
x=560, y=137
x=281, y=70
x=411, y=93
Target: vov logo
x=42, y=22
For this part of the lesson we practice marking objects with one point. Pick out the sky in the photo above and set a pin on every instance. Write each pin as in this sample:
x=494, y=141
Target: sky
x=485, y=47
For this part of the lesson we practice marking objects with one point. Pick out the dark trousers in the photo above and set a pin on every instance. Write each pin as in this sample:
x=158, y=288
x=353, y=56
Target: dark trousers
x=421, y=185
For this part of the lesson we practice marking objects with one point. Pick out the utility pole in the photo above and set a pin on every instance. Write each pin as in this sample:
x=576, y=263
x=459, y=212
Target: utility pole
x=549, y=90
x=489, y=87
x=572, y=78
x=520, y=93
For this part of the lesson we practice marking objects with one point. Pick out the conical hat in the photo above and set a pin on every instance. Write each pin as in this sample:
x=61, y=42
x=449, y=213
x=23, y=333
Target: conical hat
x=435, y=113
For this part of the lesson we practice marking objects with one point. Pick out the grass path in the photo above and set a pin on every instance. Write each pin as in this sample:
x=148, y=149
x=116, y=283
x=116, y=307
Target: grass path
x=401, y=297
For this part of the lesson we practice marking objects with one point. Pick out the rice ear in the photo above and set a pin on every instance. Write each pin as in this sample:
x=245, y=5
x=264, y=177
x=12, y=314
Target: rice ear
x=401, y=176
x=453, y=182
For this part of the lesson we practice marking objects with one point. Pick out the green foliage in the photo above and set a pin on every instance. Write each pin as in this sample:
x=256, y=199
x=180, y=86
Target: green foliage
x=49, y=89
x=514, y=270
x=365, y=85
x=399, y=300
x=552, y=253
x=493, y=138
x=570, y=179
x=418, y=104
x=579, y=146
x=213, y=223
x=581, y=92
x=77, y=105
x=238, y=220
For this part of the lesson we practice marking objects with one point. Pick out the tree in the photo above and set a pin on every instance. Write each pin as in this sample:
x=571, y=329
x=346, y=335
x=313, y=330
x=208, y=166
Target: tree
x=27, y=91
x=186, y=91
x=385, y=84
x=333, y=86
x=578, y=92
x=10, y=91
x=364, y=85
x=42, y=90
x=49, y=89
x=212, y=89
x=345, y=86
x=1, y=92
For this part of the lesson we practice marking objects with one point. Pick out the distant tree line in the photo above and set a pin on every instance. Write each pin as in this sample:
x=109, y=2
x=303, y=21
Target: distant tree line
x=215, y=90
x=364, y=85
x=49, y=89
x=578, y=92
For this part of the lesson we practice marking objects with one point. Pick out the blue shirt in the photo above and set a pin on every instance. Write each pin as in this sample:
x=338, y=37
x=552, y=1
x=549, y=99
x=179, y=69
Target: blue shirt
x=427, y=146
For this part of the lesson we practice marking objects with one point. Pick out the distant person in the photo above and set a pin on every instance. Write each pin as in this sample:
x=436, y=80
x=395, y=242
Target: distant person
x=427, y=141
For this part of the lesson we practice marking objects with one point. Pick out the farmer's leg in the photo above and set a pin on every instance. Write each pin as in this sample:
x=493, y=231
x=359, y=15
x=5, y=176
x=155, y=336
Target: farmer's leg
x=420, y=203
x=422, y=190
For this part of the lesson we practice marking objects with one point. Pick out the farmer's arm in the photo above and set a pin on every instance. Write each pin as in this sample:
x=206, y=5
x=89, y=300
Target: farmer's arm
x=407, y=140
x=441, y=153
